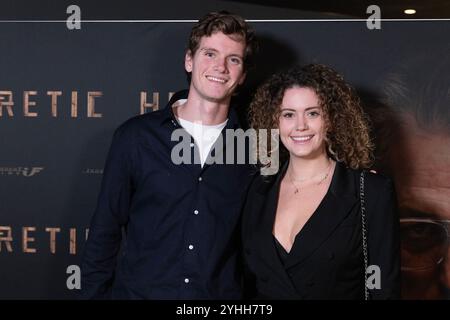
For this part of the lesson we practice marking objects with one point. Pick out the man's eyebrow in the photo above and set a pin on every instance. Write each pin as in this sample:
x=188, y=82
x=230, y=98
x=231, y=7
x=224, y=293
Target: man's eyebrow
x=209, y=49
x=407, y=212
x=215, y=50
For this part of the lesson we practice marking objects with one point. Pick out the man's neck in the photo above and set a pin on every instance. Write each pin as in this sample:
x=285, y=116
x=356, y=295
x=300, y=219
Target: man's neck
x=202, y=111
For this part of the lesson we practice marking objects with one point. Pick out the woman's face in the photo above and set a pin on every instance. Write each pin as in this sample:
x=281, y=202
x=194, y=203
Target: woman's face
x=301, y=123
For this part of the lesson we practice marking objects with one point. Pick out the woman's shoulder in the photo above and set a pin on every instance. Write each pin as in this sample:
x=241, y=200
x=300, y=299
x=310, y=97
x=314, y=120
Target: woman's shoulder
x=373, y=177
x=373, y=180
x=376, y=184
x=378, y=180
x=261, y=183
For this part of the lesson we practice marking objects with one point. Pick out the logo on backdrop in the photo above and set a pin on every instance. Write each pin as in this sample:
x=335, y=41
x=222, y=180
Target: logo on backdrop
x=34, y=239
x=58, y=103
x=20, y=171
x=93, y=171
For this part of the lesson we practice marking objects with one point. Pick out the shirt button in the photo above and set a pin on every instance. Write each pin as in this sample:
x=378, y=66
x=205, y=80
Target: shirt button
x=186, y=280
x=192, y=144
x=191, y=247
x=200, y=179
x=195, y=211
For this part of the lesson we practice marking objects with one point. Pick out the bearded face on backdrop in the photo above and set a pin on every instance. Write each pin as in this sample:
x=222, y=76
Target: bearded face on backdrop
x=413, y=139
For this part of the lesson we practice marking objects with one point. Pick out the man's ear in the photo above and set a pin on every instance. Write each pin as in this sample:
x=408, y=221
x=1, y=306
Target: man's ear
x=188, y=61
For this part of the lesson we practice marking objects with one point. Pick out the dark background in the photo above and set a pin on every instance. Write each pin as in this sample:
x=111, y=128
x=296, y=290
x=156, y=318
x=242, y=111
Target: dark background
x=121, y=59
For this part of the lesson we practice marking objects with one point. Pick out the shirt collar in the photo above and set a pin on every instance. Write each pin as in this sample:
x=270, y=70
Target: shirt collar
x=168, y=115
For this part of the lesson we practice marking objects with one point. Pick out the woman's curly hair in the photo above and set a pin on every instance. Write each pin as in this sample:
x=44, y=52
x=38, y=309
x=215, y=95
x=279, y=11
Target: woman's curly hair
x=347, y=126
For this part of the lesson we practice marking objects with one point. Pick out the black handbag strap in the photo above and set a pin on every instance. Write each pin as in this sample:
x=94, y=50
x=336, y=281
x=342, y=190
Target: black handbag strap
x=364, y=232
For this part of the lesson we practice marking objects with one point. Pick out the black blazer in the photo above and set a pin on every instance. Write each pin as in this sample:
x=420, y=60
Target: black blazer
x=326, y=260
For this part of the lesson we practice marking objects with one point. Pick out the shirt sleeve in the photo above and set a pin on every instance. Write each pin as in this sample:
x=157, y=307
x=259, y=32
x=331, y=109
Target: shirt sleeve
x=111, y=214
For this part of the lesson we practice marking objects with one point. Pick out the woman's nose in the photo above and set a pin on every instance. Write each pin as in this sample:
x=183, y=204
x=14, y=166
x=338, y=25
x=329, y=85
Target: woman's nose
x=301, y=124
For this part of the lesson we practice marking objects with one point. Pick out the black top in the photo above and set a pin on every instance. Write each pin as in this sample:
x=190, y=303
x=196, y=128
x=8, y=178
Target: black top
x=326, y=259
x=179, y=219
x=282, y=253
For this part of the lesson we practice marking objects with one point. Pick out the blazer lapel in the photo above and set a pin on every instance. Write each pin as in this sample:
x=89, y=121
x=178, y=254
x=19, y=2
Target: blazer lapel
x=269, y=200
x=336, y=205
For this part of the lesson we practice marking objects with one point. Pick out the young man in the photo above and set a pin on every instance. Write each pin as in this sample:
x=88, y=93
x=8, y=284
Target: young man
x=179, y=219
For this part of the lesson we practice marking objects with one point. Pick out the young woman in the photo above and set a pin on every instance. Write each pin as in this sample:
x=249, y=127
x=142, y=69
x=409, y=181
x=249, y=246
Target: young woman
x=303, y=227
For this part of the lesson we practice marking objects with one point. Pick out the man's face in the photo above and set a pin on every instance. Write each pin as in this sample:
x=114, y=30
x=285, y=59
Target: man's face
x=217, y=68
x=420, y=164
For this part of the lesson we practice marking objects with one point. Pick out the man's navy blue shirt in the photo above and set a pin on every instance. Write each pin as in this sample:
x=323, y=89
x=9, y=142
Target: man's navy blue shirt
x=180, y=221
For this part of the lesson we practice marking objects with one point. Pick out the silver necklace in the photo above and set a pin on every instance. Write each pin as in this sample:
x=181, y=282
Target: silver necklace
x=297, y=189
